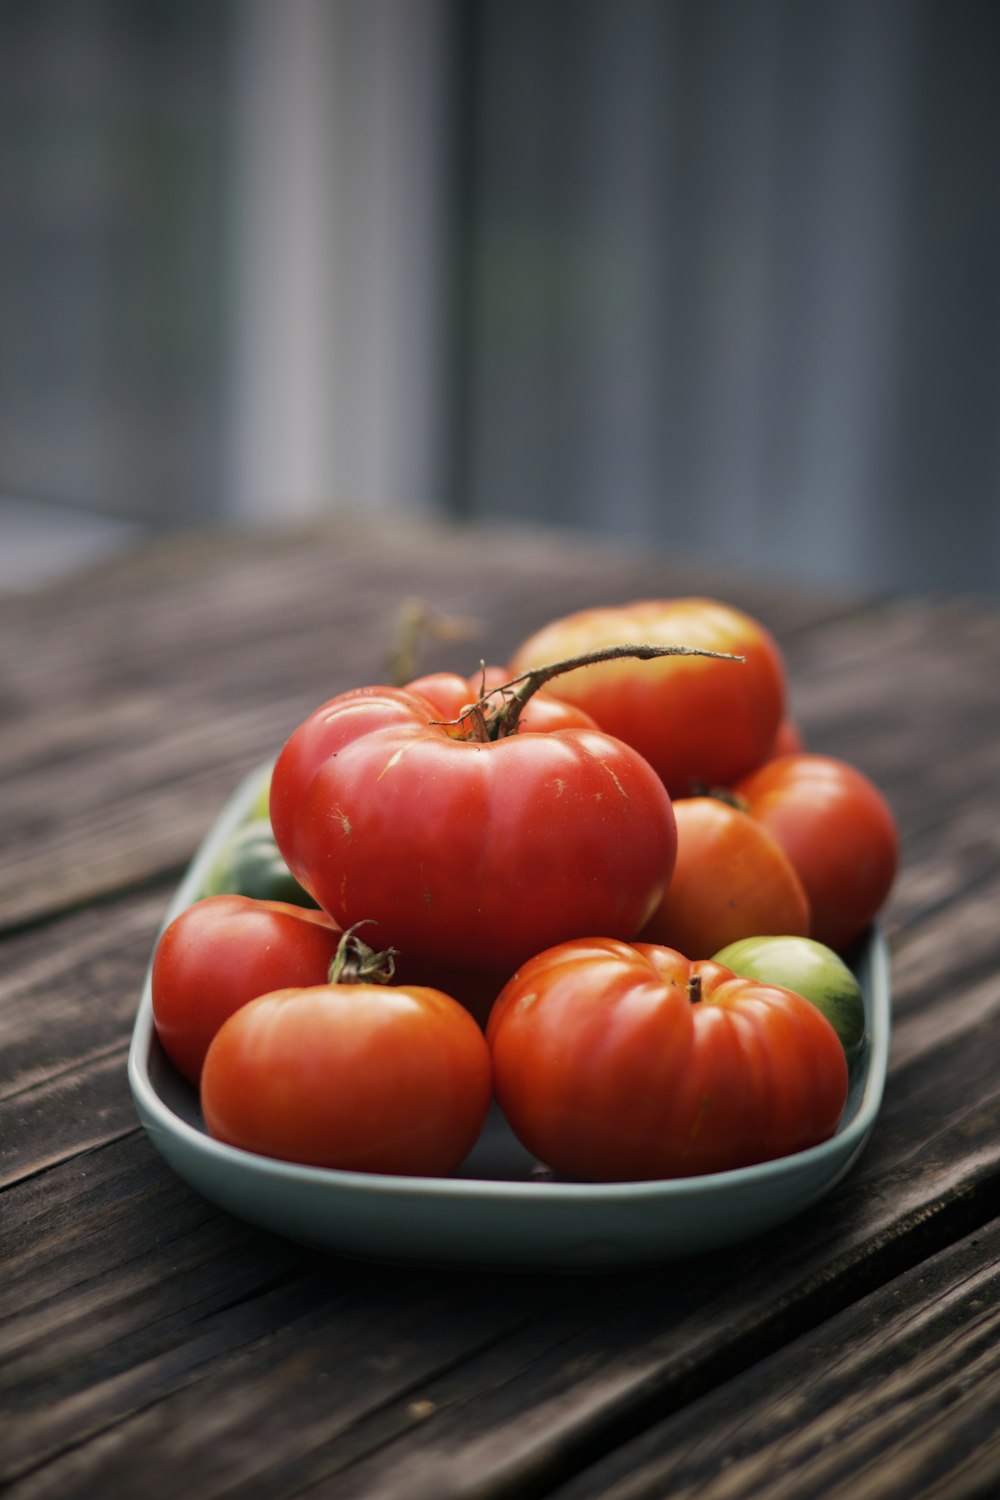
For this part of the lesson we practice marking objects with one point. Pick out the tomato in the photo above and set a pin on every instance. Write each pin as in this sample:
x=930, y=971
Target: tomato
x=361, y=1077
x=698, y=721
x=731, y=880
x=222, y=952
x=250, y=864
x=810, y=969
x=470, y=852
x=615, y=1061
x=839, y=833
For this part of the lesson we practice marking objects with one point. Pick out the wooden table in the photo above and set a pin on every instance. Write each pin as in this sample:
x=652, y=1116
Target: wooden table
x=154, y=1346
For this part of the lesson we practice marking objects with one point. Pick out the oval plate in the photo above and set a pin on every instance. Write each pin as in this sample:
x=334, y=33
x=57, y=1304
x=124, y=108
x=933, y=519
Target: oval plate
x=501, y=1208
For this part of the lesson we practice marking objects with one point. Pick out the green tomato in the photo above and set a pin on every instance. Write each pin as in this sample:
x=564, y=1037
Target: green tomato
x=261, y=809
x=250, y=864
x=811, y=970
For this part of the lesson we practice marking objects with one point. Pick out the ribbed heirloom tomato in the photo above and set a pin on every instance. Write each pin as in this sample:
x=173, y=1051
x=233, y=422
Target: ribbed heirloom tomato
x=615, y=1061
x=472, y=844
x=698, y=722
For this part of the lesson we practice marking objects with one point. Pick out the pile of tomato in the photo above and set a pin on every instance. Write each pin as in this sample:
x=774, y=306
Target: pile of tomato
x=605, y=886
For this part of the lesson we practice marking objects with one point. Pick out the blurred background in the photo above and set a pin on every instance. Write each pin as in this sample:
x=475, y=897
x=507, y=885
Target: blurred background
x=719, y=275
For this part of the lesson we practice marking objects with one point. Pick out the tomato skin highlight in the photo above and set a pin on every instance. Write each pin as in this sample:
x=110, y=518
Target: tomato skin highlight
x=838, y=831
x=467, y=854
x=731, y=880
x=357, y=1077
x=606, y=1070
x=224, y=951
x=699, y=722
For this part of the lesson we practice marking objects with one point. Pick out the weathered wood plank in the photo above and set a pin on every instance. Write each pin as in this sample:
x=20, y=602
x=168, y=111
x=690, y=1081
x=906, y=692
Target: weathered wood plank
x=147, y=1334
x=903, y=1401
x=541, y=1366
x=68, y=997
x=69, y=990
x=286, y=1325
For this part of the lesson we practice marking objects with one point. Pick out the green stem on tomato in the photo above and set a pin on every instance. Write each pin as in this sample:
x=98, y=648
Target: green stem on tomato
x=417, y=621
x=516, y=693
x=355, y=963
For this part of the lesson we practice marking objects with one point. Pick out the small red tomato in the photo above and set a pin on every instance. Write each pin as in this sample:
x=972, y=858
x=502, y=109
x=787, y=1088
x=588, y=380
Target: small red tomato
x=839, y=833
x=731, y=880
x=224, y=951
x=698, y=721
x=616, y=1061
x=358, y=1077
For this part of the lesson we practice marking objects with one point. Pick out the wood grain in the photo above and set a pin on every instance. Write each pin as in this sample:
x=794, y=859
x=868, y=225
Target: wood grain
x=152, y=1344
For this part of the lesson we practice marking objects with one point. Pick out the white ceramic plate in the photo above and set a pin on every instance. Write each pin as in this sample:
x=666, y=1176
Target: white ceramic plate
x=501, y=1208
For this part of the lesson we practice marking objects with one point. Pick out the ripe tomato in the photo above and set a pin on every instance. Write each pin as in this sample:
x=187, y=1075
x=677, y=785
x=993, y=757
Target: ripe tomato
x=469, y=852
x=839, y=833
x=224, y=951
x=731, y=880
x=698, y=721
x=616, y=1061
x=360, y=1077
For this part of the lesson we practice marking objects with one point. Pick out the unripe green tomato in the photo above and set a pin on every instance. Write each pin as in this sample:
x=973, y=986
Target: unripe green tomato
x=811, y=970
x=250, y=864
x=261, y=809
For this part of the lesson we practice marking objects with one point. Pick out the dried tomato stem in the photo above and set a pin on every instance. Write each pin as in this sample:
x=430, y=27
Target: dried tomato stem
x=355, y=963
x=721, y=794
x=417, y=621
x=519, y=690
x=694, y=988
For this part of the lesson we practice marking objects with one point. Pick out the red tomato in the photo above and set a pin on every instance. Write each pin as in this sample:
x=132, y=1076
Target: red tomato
x=473, y=854
x=731, y=880
x=615, y=1061
x=224, y=951
x=698, y=721
x=360, y=1077
x=839, y=833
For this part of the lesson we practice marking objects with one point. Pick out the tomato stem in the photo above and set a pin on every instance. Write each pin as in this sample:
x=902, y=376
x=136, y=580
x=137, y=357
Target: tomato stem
x=417, y=621
x=721, y=794
x=355, y=963
x=490, y=721
x=694, y=988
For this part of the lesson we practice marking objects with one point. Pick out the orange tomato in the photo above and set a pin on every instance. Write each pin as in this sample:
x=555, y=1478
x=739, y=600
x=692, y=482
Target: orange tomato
x=700, y=722
x=731, y=880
